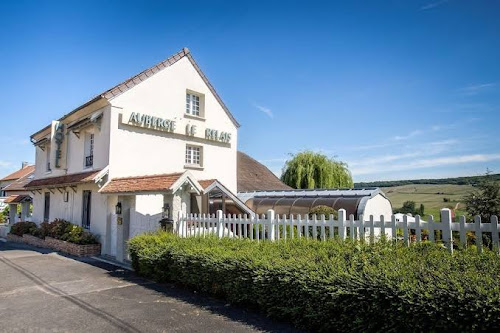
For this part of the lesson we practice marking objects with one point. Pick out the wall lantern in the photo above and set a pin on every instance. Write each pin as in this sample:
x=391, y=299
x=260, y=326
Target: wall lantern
x=166, y=211
x=118, y=208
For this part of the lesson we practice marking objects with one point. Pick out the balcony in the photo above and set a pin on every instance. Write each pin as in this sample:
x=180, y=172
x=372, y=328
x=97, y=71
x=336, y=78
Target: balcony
x=89, y=161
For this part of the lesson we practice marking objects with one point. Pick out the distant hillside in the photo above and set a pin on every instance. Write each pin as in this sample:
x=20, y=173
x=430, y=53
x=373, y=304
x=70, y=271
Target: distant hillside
x=474, y=180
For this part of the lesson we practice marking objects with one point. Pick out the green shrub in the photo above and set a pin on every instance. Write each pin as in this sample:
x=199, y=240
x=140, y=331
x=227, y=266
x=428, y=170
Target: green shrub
x=334, y=286
x=58, y=228
x=78, y=235
x=323, y=210
x=21, y=228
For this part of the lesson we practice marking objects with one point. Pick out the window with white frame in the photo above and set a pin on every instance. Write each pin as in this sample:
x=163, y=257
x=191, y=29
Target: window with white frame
x=193, y=104
x=193, y=155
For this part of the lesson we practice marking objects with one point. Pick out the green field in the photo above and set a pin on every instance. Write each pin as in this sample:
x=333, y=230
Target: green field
x=431, y=196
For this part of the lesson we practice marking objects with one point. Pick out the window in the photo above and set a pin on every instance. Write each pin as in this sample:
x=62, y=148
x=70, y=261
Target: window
x=86, y=209
x=46, y=208
x=193, y=155
x=89, y=150
x=48, y=159
x=193, y=104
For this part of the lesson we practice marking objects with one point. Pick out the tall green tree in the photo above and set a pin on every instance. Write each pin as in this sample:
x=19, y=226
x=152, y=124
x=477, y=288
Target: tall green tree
x=484, y=200
x=307, y=169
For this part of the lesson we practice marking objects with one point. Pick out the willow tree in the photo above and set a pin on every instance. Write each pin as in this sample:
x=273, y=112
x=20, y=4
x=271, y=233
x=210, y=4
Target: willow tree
x=308, y=169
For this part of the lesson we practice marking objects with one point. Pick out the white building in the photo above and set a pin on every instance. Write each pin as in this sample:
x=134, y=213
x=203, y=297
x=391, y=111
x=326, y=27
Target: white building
x=155, y=144
x=159, y=144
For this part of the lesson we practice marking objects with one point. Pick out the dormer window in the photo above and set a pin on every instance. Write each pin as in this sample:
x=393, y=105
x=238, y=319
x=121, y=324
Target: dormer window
x=89, y=150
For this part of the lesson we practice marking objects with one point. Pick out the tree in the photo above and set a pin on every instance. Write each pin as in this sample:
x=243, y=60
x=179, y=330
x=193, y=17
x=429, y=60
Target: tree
x=408, y=208
x=484, y=200
x=421, y=211
x=323, y=210
x=307, y=170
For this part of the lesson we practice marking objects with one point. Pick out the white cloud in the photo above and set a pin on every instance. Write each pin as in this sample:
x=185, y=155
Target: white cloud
x=265, y=110
x=407, y=136
x=412, y=164
x=444, y=142
x=433, y=4
x=5, y=164
x=273, y=160
x=476, y=88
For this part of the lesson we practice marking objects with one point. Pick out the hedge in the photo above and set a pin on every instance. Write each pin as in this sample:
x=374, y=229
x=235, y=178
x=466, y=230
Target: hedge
x=334, y=286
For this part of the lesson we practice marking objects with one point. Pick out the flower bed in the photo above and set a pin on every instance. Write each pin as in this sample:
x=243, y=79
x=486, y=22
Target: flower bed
x=59, y=235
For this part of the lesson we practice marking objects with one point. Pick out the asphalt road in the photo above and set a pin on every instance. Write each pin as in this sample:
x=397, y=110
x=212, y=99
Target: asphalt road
x=43, y=291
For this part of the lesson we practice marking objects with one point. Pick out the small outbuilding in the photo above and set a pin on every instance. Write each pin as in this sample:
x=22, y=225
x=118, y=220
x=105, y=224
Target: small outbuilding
x=366, y=202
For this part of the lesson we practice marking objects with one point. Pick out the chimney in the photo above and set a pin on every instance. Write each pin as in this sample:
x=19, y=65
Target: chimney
x=24, y=165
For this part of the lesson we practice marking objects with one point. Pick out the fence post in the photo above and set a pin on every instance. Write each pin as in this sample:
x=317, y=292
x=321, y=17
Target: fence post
x=478, y=233
x=494, y=233
x=272, y=225
x=342, y=223
x=220, y=224
x=447, y=235
x=180, y=224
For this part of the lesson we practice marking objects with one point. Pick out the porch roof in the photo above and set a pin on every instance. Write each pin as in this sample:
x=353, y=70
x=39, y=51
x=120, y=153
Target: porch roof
x=15, y=199
x=66, y=180
x=150, y=183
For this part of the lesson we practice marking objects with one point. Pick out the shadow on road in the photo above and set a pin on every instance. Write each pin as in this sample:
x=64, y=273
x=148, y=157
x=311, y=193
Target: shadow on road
x=215, y=306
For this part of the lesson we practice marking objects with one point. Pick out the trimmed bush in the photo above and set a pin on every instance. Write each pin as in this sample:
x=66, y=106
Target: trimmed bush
x=21, y=228
x=78, y=235
x=334, y=286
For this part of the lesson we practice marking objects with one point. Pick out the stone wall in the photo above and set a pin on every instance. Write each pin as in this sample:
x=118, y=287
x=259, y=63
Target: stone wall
x=58, y=245
x=35, y=241
x=73, y=249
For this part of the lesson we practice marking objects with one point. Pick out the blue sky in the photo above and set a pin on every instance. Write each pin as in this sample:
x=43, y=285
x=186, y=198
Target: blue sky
x=398, y=89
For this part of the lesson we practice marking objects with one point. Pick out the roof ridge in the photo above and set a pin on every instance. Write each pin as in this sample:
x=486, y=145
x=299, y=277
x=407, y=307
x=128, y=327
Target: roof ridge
x=150, y=176
x=127, y=84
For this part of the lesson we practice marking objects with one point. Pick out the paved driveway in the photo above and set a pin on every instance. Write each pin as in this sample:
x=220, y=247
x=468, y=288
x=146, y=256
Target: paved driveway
x=42, y=291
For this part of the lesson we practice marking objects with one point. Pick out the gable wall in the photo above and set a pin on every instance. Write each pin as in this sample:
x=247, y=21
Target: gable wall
x=136, y=151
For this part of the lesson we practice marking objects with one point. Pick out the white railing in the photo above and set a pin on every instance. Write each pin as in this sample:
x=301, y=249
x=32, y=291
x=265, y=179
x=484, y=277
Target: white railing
x=274, y=227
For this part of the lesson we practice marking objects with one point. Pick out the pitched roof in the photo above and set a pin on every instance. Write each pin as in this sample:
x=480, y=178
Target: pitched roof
x=254, y=176
x=14, y=199
x=19, y=184
x=144, y=75
x=19, y=173
x=66, y=180
x=206, y=182
x=141, y=183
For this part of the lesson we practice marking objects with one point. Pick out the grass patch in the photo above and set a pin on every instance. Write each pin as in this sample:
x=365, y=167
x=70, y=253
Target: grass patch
x=336, y=285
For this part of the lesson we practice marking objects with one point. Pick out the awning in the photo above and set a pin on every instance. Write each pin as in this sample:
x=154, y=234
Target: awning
x=16, y=199
x=60, y=181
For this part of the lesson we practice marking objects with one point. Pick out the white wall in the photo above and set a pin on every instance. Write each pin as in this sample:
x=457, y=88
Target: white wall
x=139, y=151
x=376, y=206
x=72, y=210
x=73, y=152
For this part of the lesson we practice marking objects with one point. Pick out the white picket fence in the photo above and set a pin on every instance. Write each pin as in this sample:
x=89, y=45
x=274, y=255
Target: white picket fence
x=273, y=227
